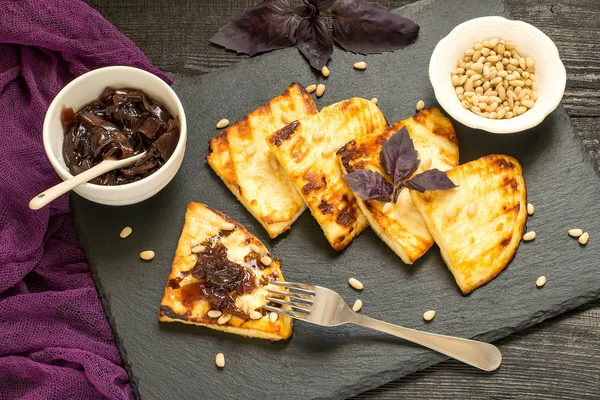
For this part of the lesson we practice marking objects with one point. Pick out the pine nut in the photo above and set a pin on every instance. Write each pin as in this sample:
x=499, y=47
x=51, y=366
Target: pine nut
x=529, y=236
x=530, y=209
x=360, y=65
x=147, y=255
x=375, y=100
x=450, y=212
x=222, y=123
x=465, y=104
x=311, y=88
x=529, y=62
x=428, y=315
x=541, y=281
x=266, y=260
x=198, y=249
x=251, y=149
x=125, y=232
x=355, y=283
x=426, y=164
x=510, y=45
x=320, y=90
x=528, y=103
x=254, y=315
x=329, y=151
x=472, y=209
x=274, y=164
x=220, y=360
x=214, y=313
x=194, y=242
x=357, y=305
x=325, y=71
x=460, y=89
x=318, y=135
x=521, y=110
x=227, y=226
x=583, y=239
x=387, y=207
x=575, y=232
x=255, y=248
x=223, y=319
x=273, y=317
x=420, y=105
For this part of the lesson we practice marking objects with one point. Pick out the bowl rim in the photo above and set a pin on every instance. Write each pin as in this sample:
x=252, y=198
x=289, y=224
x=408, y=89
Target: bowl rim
x=62, y=170
x=485, y=123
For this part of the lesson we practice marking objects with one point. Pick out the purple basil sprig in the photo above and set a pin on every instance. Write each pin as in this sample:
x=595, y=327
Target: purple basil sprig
x=398, y=159
x=359, y=26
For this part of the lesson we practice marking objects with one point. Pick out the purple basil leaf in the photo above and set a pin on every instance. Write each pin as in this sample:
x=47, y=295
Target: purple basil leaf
x=369, y=185
x=398, y=157
x=364, y=27
x=321, y=5
x=270, y=25
x=432, y=179
x=314, y=40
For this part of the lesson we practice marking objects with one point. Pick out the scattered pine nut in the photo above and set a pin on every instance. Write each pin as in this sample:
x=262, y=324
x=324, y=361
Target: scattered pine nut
x=255, y=248
x=227, y=226
x=273, y=317
x=387, y=207
x=198, y=249
x=530, y=209
x=420, y=105
x=472, y=209
x=320, y=90
x=355, y=283
x=274, y=164
x=254, y=315
x=214, y=313
x=375, y=100
x=450, y=212
x=223, y=319
x=541, y=281
x=311, y=88
x=222, y=123
x=125, y=232
x=194, y=242
x=426, y=164
x=251, y=149
x=575, y=232
x=329, y=151
x=360, y=65
x=357, y=305
x=318, y=135
x=583, y=239
x=266, y=260
x=147, y=255
x=529, y=236
x=287, y=118
x=325, y=71
x=428, y=315
x=220, y=360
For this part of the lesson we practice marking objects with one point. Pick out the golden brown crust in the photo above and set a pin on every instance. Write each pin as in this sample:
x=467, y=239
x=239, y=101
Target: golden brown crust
x=248, y=176
x=201, y=223
x=314, y=170
x=402, y=228
x=478, y=246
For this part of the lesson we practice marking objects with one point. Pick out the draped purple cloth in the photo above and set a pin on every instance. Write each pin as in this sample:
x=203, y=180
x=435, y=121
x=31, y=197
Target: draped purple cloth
x=55, y=341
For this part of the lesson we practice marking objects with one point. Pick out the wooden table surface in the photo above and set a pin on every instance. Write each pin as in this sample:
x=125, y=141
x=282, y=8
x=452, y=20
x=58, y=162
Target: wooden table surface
x=557, y=359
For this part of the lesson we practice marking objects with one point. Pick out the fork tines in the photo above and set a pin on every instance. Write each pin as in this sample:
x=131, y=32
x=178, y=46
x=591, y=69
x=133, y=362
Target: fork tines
x=297, y=298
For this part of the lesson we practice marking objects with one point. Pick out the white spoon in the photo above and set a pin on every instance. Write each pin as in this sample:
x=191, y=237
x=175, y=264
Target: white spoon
x=51, y=194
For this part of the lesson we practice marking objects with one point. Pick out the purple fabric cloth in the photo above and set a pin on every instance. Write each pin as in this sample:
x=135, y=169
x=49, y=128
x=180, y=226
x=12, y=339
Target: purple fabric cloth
x=55, y=341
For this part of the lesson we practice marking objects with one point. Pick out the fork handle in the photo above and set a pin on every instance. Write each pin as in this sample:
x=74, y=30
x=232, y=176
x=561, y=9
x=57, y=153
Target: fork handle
x=482, y=355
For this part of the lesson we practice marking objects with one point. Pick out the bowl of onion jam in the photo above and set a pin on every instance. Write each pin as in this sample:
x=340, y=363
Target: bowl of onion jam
x=115, y=113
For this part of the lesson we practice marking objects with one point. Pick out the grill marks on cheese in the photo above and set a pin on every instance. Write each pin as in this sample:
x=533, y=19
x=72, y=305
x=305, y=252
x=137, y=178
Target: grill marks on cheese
x=267, y=193
x=318, y=177
x=202, y=223
x=476, y=248
x=403, y=228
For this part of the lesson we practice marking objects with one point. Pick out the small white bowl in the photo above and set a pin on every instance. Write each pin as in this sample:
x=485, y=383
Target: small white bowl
x=87, y=88
x=549, y=71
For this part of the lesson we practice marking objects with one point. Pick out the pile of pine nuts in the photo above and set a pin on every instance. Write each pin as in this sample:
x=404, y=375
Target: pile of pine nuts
x=494, y=81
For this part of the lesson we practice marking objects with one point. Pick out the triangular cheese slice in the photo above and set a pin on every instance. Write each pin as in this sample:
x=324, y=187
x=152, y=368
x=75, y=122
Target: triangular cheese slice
x=220, y=267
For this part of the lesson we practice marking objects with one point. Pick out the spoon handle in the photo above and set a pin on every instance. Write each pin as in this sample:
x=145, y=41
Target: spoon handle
x=56, y=191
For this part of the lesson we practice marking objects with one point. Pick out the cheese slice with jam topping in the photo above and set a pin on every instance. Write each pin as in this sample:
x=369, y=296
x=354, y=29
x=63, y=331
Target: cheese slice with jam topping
x=241, y=158
x=220, y=267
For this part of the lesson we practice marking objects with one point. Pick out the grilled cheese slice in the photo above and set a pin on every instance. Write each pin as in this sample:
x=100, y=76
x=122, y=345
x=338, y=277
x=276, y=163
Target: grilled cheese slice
x=402, y=228
x=241, y=158
x=185, y=298
x=306, y=150
x=478, y=225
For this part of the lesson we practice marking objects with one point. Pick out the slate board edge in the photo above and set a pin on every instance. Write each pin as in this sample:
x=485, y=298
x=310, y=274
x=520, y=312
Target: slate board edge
x=372, y=381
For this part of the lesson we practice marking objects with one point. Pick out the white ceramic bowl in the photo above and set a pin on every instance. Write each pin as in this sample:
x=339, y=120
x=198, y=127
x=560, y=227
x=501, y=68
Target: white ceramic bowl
x=87, y=88
x=549, y=71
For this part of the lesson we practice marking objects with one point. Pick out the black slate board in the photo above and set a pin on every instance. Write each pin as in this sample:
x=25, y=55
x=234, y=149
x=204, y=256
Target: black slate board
x=175, y=360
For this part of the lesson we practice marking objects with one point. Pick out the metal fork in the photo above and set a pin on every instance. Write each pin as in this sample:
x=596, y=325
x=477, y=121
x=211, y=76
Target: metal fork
x=322, y=306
